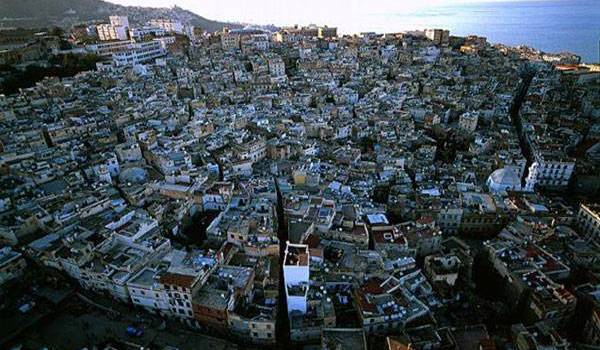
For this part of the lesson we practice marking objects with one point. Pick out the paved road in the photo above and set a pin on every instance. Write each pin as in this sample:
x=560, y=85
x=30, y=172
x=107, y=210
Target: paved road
x=76, y=324
x=71, y=331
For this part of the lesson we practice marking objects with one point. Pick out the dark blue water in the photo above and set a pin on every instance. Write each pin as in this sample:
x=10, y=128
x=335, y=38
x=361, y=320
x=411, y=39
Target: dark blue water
x=547, y=25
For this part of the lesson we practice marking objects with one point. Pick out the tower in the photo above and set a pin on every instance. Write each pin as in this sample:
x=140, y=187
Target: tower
x=296, y=271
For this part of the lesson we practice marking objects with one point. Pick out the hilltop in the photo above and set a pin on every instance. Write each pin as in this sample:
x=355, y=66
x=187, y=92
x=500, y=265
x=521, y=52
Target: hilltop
x=64, y=13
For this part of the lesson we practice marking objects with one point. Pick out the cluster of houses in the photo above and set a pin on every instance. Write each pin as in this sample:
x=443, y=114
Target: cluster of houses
x=354, y=183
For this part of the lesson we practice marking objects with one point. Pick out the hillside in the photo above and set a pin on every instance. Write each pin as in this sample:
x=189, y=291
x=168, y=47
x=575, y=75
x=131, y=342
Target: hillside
x=64, y=13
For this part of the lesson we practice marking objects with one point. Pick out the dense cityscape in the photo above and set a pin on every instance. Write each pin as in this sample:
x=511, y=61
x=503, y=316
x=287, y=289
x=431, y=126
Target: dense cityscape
x=167, y=187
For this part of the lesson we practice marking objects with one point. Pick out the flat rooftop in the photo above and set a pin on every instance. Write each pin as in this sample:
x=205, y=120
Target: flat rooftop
x=347, y=339
x=296, y=255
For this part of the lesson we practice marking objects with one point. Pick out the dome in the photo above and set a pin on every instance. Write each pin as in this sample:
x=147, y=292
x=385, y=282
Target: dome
x=133, y=175
x=504, y=179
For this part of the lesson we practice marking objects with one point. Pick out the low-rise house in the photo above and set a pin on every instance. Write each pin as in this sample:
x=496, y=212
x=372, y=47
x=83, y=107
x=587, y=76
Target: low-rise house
x=12, y=265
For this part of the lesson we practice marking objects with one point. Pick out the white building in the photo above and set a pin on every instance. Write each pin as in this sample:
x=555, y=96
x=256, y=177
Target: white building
x=442, y=269
x=146, y=291
x=119, y=21
x=296, y=270
x=187, y=272
x=229, y=40
x=253, y=151
x=165, y=41
x=552, y=173
x=138, y=53
x=260, y=41
x=107, y=32
x=168, y=25
x=588, y=220
x=276, y=67
x=139, y=33
x=112, y=163
x=102, y=173
x=12, y=265
x=439, y=36
x=108, y=49
x=449, y=219
x=132, y=226
x=468, y=122
x=128, y=152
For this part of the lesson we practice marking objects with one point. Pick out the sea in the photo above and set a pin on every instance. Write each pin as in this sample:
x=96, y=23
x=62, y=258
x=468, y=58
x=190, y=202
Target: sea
x=547, y=25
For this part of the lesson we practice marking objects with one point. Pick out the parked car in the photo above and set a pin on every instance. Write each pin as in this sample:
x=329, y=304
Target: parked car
x=135, y=331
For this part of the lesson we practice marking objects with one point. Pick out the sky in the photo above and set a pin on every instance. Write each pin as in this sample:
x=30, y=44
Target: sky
x=288, y=12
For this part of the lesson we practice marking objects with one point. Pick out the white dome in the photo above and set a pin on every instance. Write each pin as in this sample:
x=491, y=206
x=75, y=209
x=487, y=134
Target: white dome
x=504, y=179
